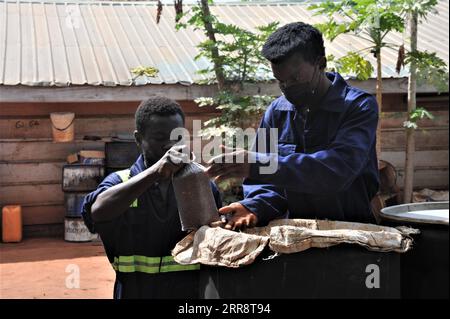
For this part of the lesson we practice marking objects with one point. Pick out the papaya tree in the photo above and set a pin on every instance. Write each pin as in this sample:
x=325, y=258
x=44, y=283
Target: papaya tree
x=370, y=20
x=423, y=67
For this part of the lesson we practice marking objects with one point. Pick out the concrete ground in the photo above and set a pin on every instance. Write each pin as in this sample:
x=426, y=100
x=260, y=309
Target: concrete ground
x=53, y=268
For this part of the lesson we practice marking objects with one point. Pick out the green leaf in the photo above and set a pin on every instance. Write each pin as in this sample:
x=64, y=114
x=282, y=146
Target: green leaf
x=331, y=30
x=354, y=64
x=372, y=19
x=421, y=7
x=415, y=116
x=237, y=112
x=430, y=69
x=149, y=71
x=419, y=114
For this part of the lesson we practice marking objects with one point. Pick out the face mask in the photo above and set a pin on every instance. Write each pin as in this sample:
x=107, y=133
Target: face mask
x=299, y=94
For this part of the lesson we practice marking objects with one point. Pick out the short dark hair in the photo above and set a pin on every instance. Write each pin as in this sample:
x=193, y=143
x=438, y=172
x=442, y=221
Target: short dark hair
x=297, y=37
x=155, y=106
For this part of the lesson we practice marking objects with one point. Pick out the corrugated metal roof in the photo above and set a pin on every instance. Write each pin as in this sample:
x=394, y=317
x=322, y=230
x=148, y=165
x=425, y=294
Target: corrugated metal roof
x=45, y=43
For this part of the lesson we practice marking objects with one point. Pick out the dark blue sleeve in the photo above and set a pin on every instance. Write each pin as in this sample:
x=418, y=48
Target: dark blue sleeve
x=265, y=200
x=334, y=169
x=110, y=181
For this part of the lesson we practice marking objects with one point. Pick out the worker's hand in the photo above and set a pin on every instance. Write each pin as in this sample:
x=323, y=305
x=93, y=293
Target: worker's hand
x=171, y=162
x=241, y=217
x=230, y=164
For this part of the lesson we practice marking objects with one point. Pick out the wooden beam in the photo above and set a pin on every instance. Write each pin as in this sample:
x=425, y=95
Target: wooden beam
x=21, y=93
x=43, y=231
x=43, y=150
x=422, y=159
x=49, y=214
x=87, y=109
x=432, y=138
x=30, y=173
x=426, y=178
x=38, y=128
x=390, y=86
x=29, y=128
x=32, y=195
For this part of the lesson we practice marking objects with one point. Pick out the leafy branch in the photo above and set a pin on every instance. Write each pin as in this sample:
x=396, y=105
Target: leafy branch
x=415, y=116
x=148, y=71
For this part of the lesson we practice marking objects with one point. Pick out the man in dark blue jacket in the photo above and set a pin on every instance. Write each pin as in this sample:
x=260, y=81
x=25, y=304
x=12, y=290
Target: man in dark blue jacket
x=326, y=161
x=135, y=212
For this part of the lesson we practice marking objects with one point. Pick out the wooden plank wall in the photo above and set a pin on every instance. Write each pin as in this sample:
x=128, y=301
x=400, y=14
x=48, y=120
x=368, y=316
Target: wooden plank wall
x=30, y=163
x=431, y=157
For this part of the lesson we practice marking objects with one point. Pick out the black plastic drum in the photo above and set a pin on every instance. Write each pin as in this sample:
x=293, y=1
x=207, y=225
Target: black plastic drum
x=424, y=269
x=343, y=271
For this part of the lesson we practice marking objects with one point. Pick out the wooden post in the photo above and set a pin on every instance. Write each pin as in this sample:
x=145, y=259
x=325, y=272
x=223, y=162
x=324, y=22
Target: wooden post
x=410, y=142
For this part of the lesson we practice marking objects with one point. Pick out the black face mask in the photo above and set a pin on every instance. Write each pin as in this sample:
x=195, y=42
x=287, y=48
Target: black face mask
x=300, y=94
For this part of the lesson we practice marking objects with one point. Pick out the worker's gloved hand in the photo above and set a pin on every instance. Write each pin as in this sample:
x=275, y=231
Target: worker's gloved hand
x=174, y=159
x=230, y=164
x=241, y=217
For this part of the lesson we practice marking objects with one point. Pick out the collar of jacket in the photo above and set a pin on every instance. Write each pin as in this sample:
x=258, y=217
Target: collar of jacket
x=138, y=166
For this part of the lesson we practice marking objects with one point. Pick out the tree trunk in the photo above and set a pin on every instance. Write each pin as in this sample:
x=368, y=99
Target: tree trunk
x=218, y=70
x=379, y=90
x=410, y=142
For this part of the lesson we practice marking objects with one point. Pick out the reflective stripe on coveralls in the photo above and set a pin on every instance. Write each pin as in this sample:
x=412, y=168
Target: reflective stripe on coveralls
x=125, y=176
x=150, y=265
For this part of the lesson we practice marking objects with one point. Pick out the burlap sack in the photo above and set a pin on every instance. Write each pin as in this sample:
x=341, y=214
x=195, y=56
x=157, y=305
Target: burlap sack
x=221, y=247
x=296, y=236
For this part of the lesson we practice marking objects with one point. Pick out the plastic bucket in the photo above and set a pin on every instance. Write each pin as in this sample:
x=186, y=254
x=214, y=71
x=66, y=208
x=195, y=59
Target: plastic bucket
x=62, y=126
